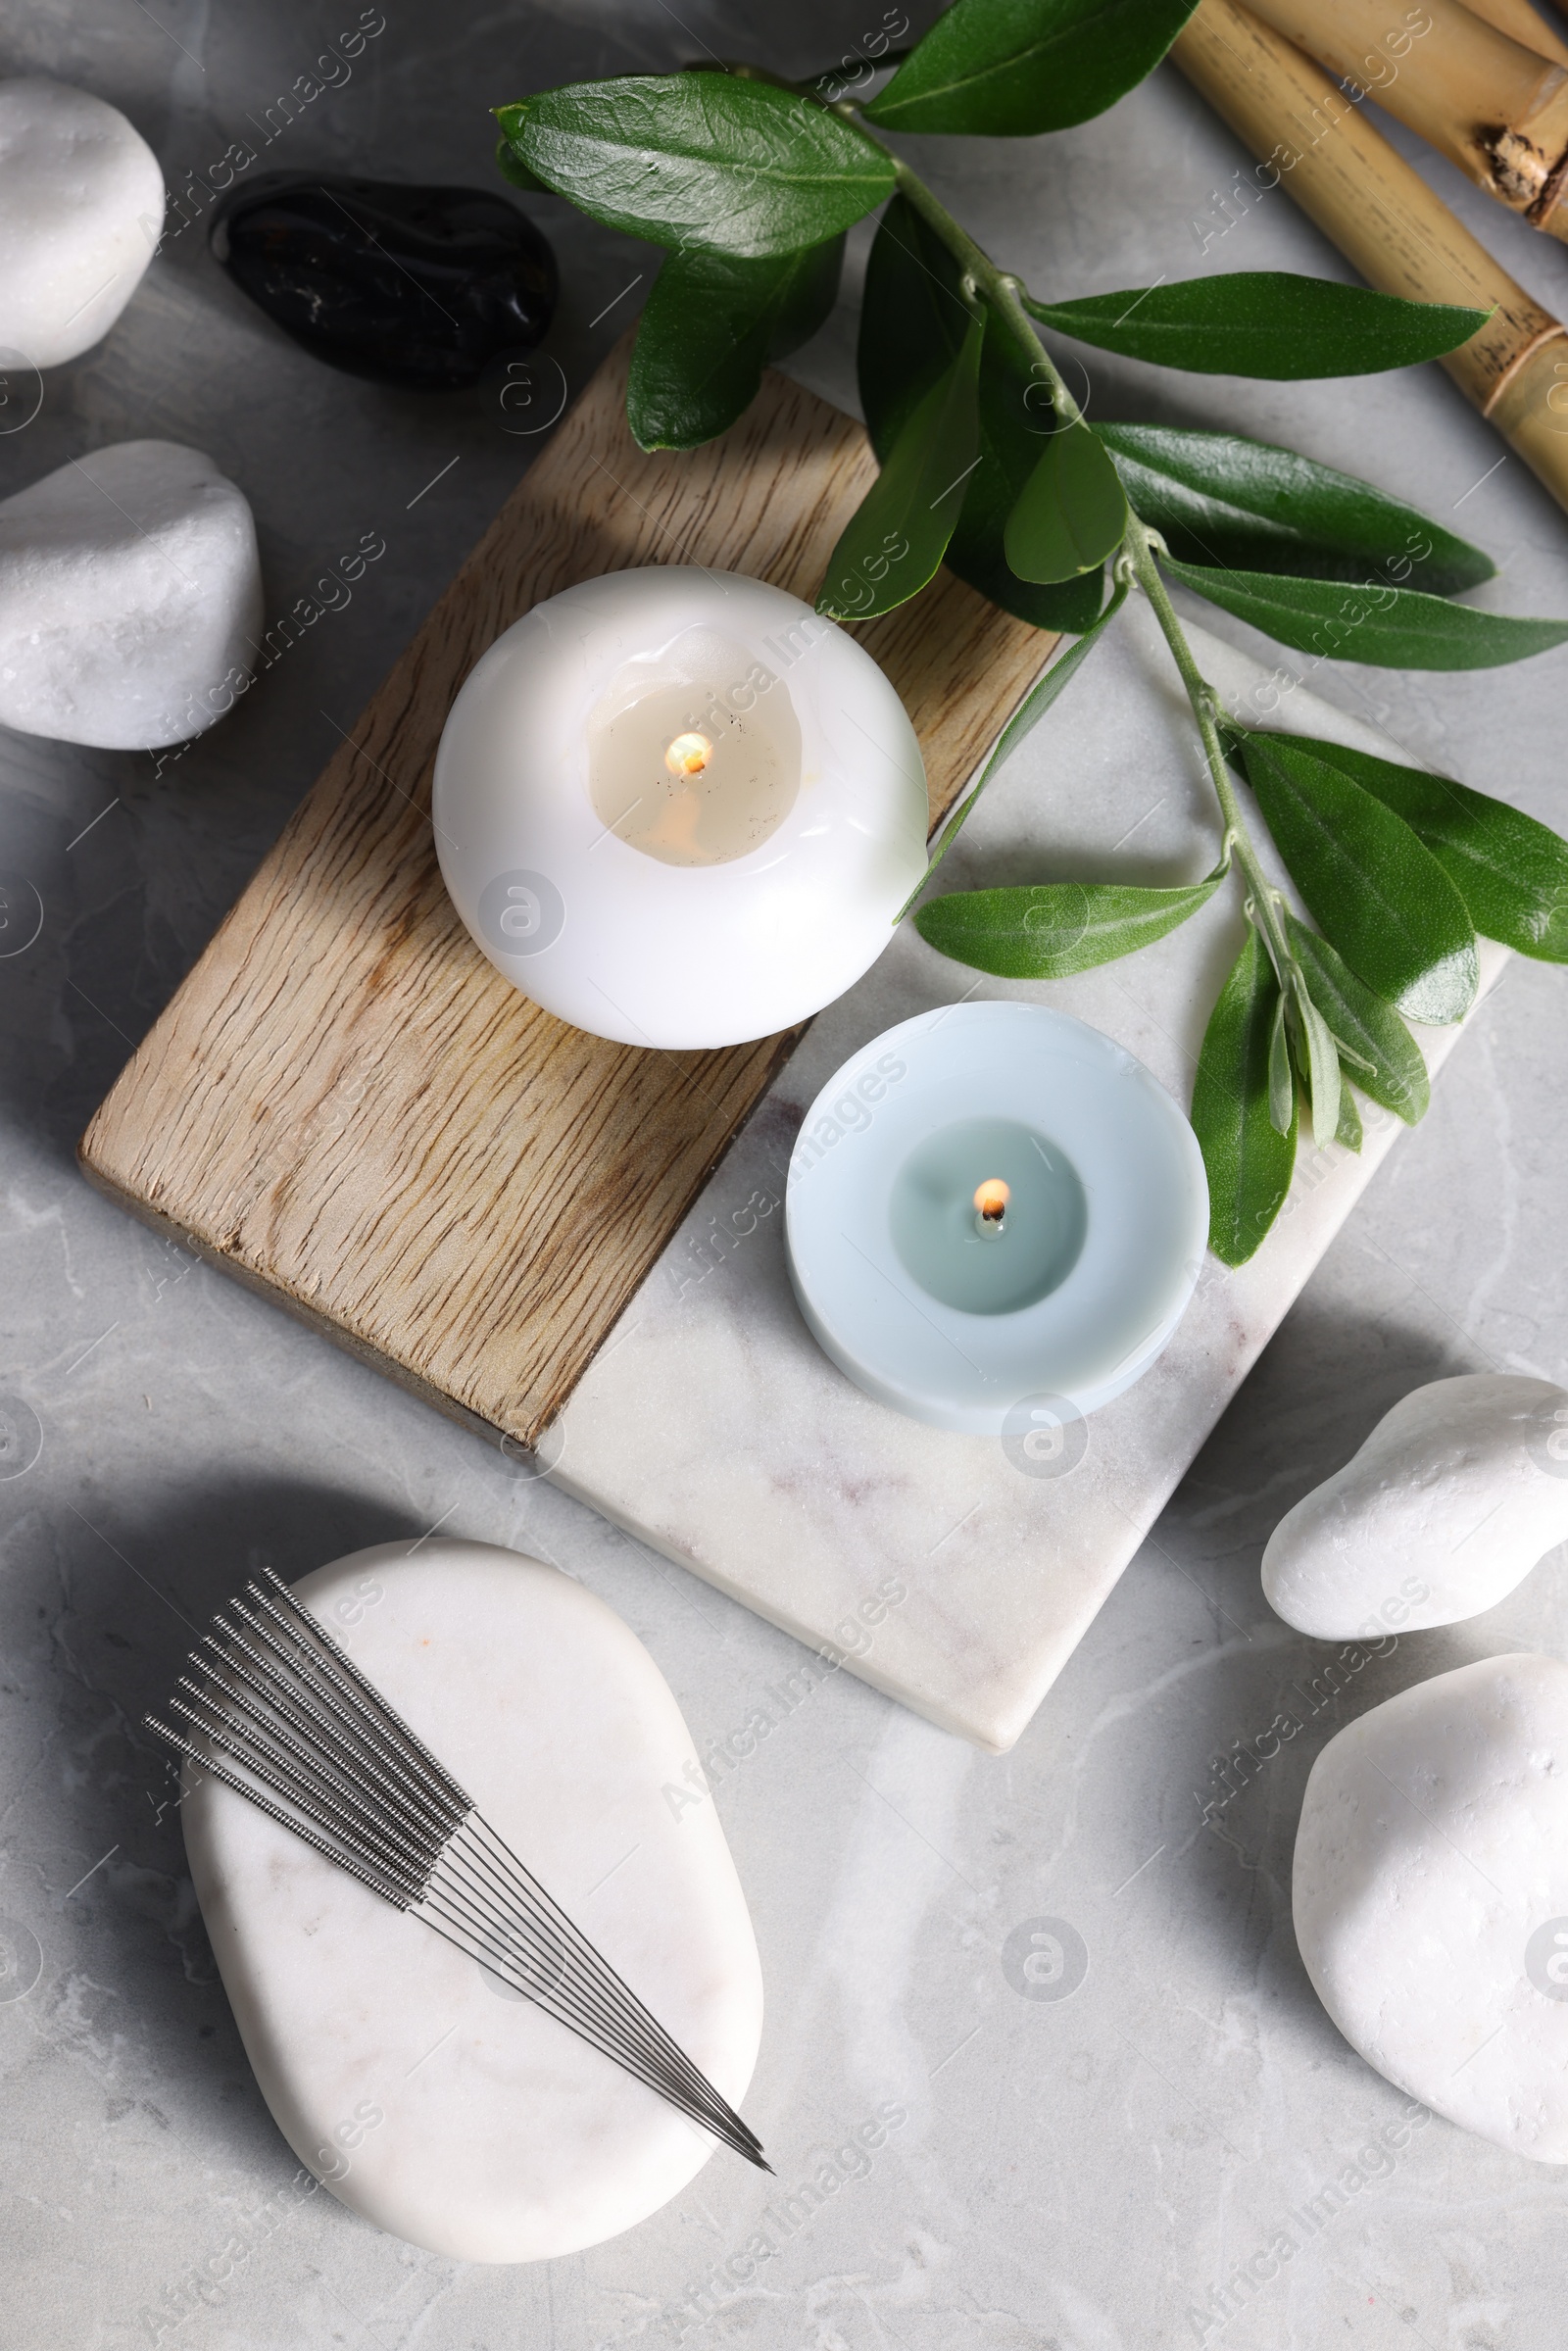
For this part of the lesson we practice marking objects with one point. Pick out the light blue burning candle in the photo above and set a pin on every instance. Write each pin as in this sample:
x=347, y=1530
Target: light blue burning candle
x=991, y=1204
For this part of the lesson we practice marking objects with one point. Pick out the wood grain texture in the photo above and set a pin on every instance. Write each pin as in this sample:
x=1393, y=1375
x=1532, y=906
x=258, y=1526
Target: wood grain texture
x=350, y=1108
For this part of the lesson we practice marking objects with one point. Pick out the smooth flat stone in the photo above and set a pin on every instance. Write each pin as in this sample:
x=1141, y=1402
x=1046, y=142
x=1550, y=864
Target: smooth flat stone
x=1445, y=1508
x=427, y=2094
x=131, y=598
x=82, y=210
x=1431, y=1896
x=419, y=286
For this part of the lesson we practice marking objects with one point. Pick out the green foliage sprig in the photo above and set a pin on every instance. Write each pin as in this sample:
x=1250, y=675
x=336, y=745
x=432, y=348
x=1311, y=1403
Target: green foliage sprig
x=989, y=464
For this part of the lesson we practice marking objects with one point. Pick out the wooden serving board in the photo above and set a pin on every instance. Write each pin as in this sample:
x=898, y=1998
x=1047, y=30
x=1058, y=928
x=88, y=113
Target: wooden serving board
x=348, y=1107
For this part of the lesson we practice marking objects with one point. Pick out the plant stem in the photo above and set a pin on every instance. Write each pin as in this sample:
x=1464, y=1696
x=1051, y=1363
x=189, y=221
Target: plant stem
x=1266, y=902
x=1000, y=290
x=1001, y=294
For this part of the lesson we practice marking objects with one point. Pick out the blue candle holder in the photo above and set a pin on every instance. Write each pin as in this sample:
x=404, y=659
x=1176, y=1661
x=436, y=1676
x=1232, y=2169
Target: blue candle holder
x=992, y=1204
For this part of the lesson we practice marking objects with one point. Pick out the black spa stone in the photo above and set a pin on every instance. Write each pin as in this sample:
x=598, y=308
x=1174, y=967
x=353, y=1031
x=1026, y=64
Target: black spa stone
x=405, y=285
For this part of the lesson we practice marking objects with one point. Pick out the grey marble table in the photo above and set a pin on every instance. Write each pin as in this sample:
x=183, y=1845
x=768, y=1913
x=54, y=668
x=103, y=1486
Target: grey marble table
x=1137, y=2165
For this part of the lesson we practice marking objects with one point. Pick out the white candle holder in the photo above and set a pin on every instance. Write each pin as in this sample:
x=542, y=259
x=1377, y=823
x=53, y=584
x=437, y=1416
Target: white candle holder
x=910, y=1286
x=676, y=807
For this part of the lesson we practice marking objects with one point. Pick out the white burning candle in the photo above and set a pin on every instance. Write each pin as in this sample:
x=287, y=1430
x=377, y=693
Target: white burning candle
x=676, y=807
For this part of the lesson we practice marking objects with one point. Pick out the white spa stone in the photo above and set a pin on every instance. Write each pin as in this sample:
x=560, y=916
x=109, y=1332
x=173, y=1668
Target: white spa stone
x=1449, y=1504
x=1431, y=1896
x=425, y=2095
x=131, y=598
x=82, y=210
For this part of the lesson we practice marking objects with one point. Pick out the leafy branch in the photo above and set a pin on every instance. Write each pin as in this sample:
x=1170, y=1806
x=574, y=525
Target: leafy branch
x=989, y=465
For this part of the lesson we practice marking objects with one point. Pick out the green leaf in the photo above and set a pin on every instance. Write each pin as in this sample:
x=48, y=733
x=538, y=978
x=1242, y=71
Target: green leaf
x=1014, y=67
x=1035, y=702
x=1350, y=1132
x=1384, y=1056
x=1247, y=506
x=700, y=160
x=1399, y=629
x=1374, y=890
x=899, y=533
x=1264, y=322
x=1281, y=1073
x=1511, y=872
x=1072, y=511
x=1249, y=1162
x=1322, y=1061
x=509, y=164
x=708, y=329
x=1011, y=407
x=912, y=322
x=1057, y=928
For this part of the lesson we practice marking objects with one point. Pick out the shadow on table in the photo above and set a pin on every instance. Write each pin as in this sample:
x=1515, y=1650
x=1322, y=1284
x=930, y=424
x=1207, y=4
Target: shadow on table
x=1238, y=1756
x=140, y=1583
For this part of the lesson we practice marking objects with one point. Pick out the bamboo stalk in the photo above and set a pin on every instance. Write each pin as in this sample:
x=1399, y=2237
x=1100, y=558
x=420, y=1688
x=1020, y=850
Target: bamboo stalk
x=1524, y=24
x=1496, y=110
x=1310, y=137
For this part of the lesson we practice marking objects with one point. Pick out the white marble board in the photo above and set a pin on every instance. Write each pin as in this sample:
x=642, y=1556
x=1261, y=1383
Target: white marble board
x=936, y=1566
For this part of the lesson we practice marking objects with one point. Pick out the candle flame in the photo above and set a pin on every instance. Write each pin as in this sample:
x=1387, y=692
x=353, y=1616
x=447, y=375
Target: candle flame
x=991, y=1199
x=688, y=755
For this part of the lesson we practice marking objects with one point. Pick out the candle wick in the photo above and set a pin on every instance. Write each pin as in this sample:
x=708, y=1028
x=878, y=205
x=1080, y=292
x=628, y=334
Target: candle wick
x=990, y=1208
x=688, y=755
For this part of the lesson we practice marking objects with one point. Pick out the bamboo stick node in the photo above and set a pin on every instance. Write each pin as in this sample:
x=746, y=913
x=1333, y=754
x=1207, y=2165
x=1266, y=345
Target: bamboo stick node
x=1316, y=141
x=1496, y=107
